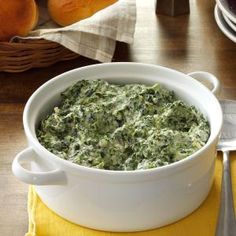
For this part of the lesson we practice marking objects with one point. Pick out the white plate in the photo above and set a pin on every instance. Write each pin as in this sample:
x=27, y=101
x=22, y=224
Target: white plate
x=223, y=25
x=231, y=24
x=228, y=7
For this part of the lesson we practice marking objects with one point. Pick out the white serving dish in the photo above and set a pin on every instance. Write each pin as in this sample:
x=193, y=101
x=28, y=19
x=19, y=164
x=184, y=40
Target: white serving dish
x=224, y=27
x=121, y=200
x=230, y=23
x=228, y=7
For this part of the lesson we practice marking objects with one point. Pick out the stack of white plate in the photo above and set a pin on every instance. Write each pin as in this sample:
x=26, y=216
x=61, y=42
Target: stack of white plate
x=225, y=15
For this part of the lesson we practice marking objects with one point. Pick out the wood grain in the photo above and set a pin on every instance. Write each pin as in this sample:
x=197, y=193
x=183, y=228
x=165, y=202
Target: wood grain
x=186, y=43
x=13, y=217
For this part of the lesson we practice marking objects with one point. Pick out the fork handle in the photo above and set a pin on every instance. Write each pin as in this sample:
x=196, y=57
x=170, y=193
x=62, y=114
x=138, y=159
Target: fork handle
x=226, y=225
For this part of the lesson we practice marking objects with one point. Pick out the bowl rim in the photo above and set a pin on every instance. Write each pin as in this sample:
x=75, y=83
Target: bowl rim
x=175, y=165
x=225, y=8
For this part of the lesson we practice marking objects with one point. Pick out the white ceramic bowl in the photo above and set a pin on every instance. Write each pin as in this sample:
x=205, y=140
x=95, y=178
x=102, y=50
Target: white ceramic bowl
x=228, y=8
x=223, y=25
x=121, y=200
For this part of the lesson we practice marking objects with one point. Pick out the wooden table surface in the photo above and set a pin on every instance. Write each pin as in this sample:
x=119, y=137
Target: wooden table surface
x=186, y=43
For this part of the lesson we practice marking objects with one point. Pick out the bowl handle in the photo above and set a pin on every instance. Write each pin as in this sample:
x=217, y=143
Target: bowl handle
x=52, y=177
x=207, y=79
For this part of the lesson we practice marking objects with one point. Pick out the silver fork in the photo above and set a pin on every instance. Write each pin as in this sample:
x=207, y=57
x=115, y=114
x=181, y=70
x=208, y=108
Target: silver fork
x=226, y=225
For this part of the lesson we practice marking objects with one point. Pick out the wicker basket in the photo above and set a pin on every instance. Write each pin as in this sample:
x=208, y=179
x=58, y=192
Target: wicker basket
x=25, y=54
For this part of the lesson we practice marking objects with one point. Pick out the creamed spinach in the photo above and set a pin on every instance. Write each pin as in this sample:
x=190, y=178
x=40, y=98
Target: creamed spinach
x=122, y=127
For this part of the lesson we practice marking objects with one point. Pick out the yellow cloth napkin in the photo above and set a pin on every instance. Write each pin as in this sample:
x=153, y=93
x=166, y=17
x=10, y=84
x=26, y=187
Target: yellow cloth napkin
x=44, y=222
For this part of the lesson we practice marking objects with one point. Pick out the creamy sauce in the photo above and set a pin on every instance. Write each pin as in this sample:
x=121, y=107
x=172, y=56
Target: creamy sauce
x=122, y=127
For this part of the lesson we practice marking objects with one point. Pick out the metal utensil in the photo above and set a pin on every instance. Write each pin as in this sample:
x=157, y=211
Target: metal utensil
x=226, y=225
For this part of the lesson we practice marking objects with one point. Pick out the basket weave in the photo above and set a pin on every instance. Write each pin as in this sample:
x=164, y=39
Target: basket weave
x=25, y=54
